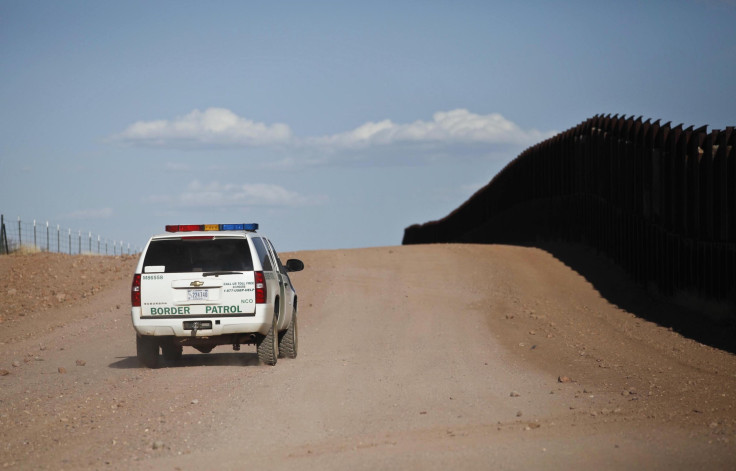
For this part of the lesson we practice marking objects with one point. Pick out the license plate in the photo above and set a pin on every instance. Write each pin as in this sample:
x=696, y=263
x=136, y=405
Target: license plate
x=198, y=294
x=201, y=325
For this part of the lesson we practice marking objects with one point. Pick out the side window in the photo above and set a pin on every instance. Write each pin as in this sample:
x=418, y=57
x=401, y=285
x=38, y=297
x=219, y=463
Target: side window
x=276, y=256
x=262, y=254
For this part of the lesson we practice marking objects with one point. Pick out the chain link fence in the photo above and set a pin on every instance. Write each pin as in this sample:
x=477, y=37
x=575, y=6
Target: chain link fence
x=37, y=236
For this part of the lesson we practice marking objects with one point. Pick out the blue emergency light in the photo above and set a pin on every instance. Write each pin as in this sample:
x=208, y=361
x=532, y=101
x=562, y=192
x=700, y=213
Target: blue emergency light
x=238, y=227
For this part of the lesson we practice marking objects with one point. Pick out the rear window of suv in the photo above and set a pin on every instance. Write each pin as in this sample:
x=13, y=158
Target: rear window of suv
x=197, y=255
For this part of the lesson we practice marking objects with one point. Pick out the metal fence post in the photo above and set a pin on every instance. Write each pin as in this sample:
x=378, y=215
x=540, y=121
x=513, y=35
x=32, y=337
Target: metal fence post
x=35, y=243
x=3, y=236
x=58, y=239
x=48, y=247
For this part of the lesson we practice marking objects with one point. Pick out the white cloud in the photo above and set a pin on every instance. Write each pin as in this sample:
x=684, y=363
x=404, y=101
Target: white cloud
x=216, y=195
x=446, y=128
x=214, y=126
x=103, y=213
x=454, y=133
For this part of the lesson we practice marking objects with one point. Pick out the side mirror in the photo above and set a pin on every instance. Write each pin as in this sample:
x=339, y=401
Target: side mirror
x=294, y=264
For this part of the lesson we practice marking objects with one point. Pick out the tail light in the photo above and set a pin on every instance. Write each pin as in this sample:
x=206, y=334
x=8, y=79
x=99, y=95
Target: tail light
x=135, y=291
x=260, y=287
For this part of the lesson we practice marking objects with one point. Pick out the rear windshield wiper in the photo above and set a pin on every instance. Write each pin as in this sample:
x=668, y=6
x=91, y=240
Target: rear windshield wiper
x=218, y=273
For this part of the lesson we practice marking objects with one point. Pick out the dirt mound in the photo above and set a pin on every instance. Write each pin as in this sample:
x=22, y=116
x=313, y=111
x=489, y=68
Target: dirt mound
x=31, y=284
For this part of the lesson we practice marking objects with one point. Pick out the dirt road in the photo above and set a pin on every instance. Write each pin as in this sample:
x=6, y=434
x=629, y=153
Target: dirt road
x=418, y=357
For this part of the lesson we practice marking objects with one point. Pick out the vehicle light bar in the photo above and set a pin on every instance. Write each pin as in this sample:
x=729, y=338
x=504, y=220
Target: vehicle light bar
x=252, y=227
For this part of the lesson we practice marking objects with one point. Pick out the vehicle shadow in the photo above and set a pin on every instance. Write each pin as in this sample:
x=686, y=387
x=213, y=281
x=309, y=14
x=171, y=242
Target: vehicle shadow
x=194, y=359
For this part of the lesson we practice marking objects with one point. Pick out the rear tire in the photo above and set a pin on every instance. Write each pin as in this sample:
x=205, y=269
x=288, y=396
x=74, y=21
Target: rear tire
x=171, y=350
x=289, y=339
x=147, y=348
x=268, y=346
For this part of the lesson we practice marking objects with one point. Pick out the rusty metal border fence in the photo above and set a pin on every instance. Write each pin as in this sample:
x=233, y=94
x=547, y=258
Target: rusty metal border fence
x=44, y=237
x=659, y=200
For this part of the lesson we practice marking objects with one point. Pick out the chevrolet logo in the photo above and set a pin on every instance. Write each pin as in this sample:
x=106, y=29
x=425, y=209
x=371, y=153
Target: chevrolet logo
x=196, y=283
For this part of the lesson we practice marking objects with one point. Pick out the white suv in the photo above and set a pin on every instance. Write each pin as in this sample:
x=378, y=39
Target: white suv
x=213, y=284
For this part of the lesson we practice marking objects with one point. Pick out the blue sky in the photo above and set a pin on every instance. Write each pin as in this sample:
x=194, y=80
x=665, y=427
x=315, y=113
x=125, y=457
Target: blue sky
x=332, y=124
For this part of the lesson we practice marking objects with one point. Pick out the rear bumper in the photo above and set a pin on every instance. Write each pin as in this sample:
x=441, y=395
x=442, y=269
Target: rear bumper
x=222, y=324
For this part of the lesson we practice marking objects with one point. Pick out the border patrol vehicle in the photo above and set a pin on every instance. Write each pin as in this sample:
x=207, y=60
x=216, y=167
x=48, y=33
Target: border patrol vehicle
x=205, y=285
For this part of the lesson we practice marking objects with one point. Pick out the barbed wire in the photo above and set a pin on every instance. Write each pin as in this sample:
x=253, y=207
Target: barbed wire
x=45, y=237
